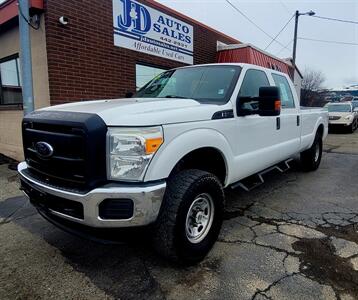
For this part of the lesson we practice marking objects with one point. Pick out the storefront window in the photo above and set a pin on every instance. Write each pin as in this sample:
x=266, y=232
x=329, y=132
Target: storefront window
x=10, y=82
x=145, y=73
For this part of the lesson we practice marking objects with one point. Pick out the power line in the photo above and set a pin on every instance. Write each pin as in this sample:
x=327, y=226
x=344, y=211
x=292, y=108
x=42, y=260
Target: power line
x=252, y=22
x=289, y=43
x=285, y=6
x=282, y=29
x=330, y=42
x=337, y=20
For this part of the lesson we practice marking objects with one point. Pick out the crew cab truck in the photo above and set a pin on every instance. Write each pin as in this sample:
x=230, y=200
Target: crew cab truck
x=164, y=157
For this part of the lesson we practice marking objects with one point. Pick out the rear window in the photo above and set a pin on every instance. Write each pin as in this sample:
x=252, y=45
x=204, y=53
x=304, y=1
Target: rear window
x=281, y=82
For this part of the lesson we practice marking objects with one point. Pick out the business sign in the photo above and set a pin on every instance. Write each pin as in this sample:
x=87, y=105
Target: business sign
x=144, y=29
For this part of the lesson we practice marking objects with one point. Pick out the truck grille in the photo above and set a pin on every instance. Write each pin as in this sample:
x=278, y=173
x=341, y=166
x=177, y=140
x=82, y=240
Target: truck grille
x=78, y=141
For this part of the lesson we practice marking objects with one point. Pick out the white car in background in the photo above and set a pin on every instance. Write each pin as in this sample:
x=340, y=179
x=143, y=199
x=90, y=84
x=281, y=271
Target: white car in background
x=343, y=115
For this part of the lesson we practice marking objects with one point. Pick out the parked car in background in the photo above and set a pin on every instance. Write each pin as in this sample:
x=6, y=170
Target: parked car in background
x=164, y=157
x=343, y=115
x=355, y=102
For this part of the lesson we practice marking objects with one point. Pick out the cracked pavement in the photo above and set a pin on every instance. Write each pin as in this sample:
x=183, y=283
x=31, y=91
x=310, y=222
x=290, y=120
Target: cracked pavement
x=296, y=237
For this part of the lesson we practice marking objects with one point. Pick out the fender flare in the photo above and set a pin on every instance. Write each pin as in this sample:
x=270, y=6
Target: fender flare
x=319, y=122
x=168, y=156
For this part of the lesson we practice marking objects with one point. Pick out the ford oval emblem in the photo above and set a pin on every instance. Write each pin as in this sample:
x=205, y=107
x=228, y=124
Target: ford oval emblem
x=43, y=149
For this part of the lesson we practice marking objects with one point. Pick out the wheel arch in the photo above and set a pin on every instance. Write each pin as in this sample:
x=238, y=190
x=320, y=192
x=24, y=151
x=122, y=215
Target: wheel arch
x=187, y=145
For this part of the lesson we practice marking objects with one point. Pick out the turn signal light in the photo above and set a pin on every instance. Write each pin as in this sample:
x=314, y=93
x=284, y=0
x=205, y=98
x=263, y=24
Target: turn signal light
x=152, y=145
x=277, y=105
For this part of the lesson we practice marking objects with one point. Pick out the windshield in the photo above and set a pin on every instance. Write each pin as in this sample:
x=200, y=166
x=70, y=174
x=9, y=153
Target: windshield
x=339, y=108
x=212, y=84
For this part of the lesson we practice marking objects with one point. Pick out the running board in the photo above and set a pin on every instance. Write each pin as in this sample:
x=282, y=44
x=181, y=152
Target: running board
x=253, y=181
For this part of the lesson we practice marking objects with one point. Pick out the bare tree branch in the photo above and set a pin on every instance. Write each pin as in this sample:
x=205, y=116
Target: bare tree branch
x=312, y=83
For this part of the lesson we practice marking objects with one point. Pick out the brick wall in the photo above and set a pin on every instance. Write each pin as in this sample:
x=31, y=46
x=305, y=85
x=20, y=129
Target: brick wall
x=83, y=62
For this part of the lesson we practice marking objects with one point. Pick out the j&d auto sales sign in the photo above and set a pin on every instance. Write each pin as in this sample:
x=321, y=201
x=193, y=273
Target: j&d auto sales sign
x=144, y=29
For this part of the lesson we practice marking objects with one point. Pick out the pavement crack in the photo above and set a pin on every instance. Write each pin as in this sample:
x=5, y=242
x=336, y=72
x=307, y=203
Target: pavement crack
x=8, y=219
x=270, y=286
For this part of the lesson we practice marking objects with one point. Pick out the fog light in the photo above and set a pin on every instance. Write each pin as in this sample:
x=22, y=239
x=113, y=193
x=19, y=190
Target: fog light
x=116, y=209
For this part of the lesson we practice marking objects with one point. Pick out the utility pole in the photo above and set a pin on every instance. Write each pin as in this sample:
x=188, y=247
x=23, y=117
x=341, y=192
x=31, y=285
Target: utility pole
x=297, y=14
x=25, y=57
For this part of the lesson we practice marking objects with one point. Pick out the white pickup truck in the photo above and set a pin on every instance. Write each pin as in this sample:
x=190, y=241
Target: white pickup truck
x=164, y=157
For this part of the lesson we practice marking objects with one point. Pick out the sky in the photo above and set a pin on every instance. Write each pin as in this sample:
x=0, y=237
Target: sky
x=338, y=62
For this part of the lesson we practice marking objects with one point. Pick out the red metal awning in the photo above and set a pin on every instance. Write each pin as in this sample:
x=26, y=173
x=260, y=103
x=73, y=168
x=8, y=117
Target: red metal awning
x=249, y=54
x=9, y=9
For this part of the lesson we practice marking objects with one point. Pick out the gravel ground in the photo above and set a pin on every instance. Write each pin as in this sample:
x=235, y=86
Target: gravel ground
x=294, y=237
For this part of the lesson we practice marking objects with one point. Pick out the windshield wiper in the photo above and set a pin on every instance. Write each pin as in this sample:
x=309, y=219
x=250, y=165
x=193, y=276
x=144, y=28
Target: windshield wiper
x=174, y=96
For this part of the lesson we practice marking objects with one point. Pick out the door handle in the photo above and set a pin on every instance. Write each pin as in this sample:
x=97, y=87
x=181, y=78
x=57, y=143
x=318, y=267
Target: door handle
x=298, y=120
x=278, y=123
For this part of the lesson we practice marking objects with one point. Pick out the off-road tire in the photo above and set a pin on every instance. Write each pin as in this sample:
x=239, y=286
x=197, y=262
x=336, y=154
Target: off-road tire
x=309, y=159
x=169, y=236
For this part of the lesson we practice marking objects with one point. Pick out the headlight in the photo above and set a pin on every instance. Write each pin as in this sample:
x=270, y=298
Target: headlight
x=348, y=117
x=129, y=151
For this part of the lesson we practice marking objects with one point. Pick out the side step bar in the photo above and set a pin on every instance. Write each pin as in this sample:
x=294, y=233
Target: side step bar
x=253, y=181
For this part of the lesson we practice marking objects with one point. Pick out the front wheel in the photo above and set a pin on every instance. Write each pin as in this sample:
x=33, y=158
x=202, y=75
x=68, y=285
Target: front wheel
x=311, y=158
x=191, y=216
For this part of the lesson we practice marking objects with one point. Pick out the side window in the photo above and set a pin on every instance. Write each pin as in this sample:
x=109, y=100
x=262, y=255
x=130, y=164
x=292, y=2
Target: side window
x=287, y=100
x=253, y=80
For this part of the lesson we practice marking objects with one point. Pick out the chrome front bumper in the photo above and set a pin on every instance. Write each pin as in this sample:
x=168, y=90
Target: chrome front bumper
x=147, y=200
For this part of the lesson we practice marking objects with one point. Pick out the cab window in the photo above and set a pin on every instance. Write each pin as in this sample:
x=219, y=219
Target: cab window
x=250, y=87
x=281, y=82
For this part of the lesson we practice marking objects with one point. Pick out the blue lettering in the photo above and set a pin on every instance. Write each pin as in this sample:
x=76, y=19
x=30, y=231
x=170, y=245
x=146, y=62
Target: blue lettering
x=156, y=27
x=165, y=31
x=161, y=20
x=185, y=29
x=134, y=15
x=181, y=37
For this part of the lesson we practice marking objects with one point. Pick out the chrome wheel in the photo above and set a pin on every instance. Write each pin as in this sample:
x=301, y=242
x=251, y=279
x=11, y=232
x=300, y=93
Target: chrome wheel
x=317, y=152
x=199, y=218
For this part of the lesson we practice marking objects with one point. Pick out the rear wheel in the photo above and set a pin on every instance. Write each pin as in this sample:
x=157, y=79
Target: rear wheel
x=311, y=158
x=191, y=216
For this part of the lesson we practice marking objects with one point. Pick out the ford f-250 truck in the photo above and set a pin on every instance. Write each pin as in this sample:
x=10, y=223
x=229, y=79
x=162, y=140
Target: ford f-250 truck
x=164, y=157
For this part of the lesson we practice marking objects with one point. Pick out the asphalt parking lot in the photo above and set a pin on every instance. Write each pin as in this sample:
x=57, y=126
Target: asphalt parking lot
x=294, y=237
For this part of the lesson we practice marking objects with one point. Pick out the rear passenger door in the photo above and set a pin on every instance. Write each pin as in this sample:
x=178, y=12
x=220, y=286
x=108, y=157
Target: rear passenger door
x=290, y=133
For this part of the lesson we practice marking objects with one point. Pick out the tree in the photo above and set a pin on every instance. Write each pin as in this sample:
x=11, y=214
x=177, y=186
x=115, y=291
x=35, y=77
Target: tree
x=312, y=84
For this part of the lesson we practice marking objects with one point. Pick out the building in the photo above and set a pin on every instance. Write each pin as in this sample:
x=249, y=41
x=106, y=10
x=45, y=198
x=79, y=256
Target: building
x=247, y=53
x=97, y=54
x=84, y=50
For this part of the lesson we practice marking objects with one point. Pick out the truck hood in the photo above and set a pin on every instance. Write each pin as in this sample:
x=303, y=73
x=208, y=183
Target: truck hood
x=143, y=111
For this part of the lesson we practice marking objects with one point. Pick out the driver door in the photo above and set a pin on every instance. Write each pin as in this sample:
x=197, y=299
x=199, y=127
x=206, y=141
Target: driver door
x=257, y=136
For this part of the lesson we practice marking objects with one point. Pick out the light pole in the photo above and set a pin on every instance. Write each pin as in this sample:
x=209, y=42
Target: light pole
x=297, y=14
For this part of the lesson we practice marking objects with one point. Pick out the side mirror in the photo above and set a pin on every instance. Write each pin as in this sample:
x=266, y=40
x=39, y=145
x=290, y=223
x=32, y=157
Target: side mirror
x=269, y=101
x=129, y=94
